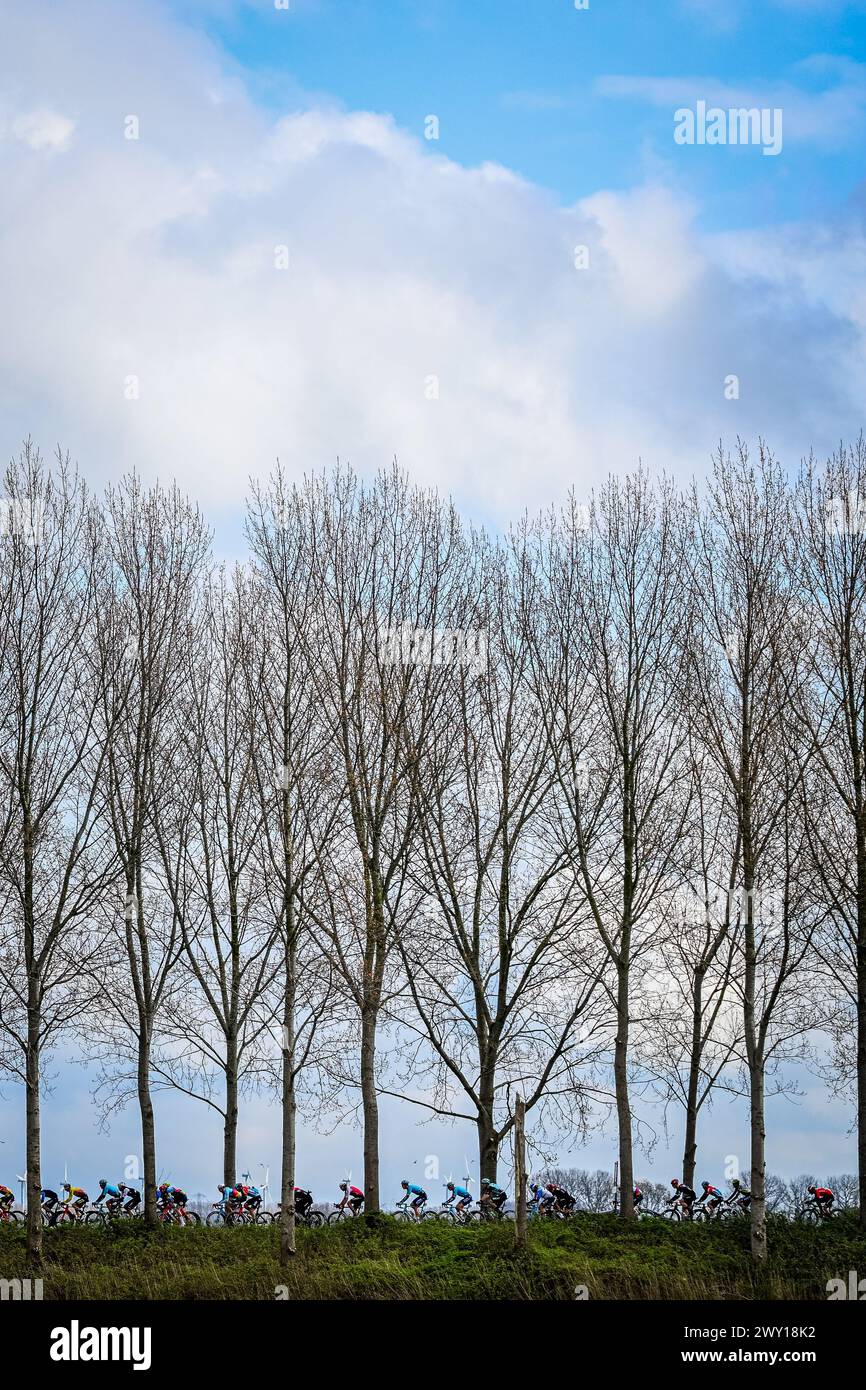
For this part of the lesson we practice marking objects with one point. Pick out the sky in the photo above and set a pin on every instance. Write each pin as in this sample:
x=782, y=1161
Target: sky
x=459, y=234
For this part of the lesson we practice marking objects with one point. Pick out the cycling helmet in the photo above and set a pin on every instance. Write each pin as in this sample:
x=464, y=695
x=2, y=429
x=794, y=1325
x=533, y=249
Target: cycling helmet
x=449, y=1183
x=343, y=1186
x=813, y=1189
x=675, y=1182
x=403, y=1182
x=735, y=1182
x=102, y=1182
x=705, y=1184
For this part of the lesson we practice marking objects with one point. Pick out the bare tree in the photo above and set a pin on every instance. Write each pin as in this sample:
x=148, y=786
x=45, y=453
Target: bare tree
x=378, y=555
x=209, y=833
x=56, y=861
x=612, y=674
x=743, y=651
x=499, y=968
x=830, y=575
x=157, y=545
x=298, y=794
x=694, y=1026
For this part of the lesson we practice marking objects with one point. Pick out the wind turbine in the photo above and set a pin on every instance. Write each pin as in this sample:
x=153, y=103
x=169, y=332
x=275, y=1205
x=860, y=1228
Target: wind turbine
x=22, y=1178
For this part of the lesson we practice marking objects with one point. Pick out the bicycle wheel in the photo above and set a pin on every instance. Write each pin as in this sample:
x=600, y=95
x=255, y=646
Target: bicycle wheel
x=264, y=1218
x=400, y=1215
x=191, y=1218
x=446, y=1214
x=433, y=1216
x=335, y=1216
x=315, y=1219
x=95, y=1218
x=673, y=1214
x=216, y=1218
x=809, y=1215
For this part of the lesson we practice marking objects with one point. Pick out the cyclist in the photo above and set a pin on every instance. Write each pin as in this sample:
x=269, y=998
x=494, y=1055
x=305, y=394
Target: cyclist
x=564, y=1200
x=824, y=1197
x=711, y=1195
x=463, y=1195
x=352, y=1196
x=303, y=1201
x=544, y=1198
x=131, y=1198
x=252, y=1199
x=684, y=1195
x=108, y=1193
x=49, y=1201
x=168, y=1197
x=418, y=1195
x=637, y=1198
x=740, y=1195
x=7, y=1197
x=75, y=1196
x=492, y=1195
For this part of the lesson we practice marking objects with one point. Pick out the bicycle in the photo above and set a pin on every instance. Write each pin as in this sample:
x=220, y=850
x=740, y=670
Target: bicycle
x=420, y=1212
x=69, y=1214
x=814, y=1212
x=221, y=1215
x=343, y=1214
x=112, y=1210
x=11, y=1215
x=448, y=1213
x=677, y=1211
x=312, y=1218
x=178, y=1216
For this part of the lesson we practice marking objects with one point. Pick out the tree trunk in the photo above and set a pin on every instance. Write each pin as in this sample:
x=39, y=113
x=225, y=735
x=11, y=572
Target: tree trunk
x=690, y=1148
x=148, y=1128
x=623, y=1108
x=34, y=1168
x=861, y=1019
x=488, y=1139
x=287, y=1179
x=520, y=1174
x=370, y=1103
x=230, y=1126
x=861, y=1077
x=757, y=1183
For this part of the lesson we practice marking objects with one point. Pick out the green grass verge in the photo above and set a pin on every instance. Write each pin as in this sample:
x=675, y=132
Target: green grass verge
x=387, y=1260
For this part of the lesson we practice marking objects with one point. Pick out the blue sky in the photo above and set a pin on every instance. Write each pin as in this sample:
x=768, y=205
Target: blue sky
x=153, y=329
x=534, y=85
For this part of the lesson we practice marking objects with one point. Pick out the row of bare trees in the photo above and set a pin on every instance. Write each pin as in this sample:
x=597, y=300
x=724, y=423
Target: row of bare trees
x=395, y=806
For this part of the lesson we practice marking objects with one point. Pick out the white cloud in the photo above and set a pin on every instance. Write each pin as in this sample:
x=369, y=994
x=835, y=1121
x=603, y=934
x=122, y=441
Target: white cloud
x=43, y=130
x=155, y=258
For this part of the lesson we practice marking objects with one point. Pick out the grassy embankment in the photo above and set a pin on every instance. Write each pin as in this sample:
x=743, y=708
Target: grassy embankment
x=435, y=1261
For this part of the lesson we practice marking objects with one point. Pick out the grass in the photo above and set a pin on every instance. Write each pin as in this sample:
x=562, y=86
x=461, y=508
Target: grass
x=387, y=1260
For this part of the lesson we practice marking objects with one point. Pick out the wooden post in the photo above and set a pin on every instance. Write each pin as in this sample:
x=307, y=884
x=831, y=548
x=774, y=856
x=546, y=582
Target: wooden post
x=520, y=1173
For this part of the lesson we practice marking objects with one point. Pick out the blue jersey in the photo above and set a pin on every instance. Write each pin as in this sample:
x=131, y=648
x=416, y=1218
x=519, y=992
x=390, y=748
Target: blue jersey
x=109, y=1190
x=461, y=1192
x=413, y=1191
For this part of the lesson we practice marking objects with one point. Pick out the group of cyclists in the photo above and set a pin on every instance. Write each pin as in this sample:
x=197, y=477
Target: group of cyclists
x=118, y=1199
x=712, y=1201
x=238, y=1199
